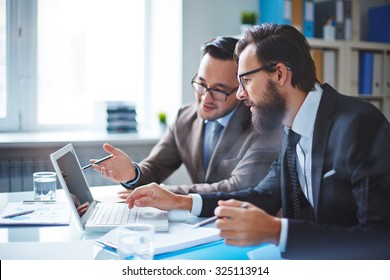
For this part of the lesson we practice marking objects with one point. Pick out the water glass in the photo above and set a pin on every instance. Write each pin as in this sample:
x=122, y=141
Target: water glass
x=45, y=185
x=135, y=241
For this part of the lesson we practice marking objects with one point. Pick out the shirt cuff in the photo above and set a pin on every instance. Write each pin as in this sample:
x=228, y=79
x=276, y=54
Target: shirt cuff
x=131, y=184
x=283, y=235
x=197, y=204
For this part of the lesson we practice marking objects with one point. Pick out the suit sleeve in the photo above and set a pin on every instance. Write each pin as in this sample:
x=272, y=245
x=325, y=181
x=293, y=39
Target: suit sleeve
x=265, y=195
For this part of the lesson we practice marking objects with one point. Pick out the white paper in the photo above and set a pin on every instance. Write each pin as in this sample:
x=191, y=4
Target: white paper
x=45, y=214
x=180, y=236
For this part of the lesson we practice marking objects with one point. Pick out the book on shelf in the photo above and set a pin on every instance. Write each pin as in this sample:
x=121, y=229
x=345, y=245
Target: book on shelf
x=275, y=11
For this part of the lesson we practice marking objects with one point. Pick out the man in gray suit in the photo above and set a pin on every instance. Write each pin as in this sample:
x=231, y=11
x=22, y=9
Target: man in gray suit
x=241, y=157
x=332, y=177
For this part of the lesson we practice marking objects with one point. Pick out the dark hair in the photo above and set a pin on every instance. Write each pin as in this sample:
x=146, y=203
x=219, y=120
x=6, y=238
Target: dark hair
x=220, y=48
x=282, y=44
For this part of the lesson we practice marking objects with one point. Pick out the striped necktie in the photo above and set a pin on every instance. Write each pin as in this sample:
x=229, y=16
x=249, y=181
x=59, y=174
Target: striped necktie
x=292, y=141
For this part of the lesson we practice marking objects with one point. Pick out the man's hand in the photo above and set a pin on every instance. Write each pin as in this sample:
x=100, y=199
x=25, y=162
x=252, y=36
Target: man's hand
x=118, y=169
x=153, y=195
x=124, y=194
x=246, y=226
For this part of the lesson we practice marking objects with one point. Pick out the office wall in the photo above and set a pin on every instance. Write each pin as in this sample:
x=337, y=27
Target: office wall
x=202, y=21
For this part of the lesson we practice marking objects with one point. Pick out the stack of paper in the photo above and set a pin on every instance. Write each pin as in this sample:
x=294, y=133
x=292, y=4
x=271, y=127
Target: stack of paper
x=44, y=214
x=180, y=236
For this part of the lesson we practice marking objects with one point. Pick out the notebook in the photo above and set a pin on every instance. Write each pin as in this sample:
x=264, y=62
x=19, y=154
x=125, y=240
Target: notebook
x=97, y=216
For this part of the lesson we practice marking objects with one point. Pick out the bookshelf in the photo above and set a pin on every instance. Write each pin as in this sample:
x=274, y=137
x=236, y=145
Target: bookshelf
x=352, y=66
x=346, y=67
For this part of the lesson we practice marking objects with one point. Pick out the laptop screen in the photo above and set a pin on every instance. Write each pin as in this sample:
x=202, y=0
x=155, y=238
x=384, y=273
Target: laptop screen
x=75, y=181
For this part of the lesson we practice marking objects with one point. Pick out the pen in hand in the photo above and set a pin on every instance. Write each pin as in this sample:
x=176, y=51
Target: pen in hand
x=21, y=213
x=214, y=218
x=98, y=161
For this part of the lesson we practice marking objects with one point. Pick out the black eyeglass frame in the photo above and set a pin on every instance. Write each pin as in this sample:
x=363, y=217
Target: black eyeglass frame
x=212, y=91
x=268, y=68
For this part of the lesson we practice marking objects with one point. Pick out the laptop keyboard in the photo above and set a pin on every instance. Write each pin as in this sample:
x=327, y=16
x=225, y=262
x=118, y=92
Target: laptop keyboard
x=114, y=214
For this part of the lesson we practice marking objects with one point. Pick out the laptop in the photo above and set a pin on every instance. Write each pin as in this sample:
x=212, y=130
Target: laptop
x=97, y=216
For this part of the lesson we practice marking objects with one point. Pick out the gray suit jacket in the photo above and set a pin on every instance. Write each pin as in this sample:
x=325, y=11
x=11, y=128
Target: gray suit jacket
x=240, y=160
x=351, y=142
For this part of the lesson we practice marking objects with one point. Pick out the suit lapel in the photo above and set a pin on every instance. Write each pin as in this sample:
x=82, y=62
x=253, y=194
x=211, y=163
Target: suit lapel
x=283, y=178
x=229, y=136
x=197, y=149
x=320, y=139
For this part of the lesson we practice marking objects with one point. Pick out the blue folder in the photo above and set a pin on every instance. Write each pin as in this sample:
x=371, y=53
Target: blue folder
x=365, y=72
x=379, y=24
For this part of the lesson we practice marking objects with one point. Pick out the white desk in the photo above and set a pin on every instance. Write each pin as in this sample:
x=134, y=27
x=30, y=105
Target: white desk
x=73, y=241
x=62, y=233
x=18, y=235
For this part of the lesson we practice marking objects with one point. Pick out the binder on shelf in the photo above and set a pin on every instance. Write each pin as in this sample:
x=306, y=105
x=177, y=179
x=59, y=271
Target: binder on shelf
x=297, y=14
x=387, y=77
x=326, y=10
x=377, y=74
x=121, y=117
x=275, y=11
x=365, y=72
x=308, y=18
x=348, y=19
x=329, y=67
x=379, y=24
x=356, y=20
x=354, y=85
x=316, y=53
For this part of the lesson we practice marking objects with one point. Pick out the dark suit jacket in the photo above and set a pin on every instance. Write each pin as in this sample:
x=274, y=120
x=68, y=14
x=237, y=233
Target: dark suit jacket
x=240, y=160
x=352, y=206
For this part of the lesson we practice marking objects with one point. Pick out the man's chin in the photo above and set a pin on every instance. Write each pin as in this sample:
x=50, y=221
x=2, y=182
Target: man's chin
x=261, y=125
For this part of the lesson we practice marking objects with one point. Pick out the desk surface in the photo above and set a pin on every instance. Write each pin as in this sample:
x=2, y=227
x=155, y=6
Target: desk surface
x=213, y=251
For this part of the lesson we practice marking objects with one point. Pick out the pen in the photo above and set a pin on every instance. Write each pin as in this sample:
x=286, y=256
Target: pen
x=38, y=201
x=18, y=214
x=107, y=246
x=214, y=218
x=98, y=161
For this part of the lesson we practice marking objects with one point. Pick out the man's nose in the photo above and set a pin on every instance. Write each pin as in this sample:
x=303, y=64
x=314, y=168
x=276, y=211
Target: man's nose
x=241, y=94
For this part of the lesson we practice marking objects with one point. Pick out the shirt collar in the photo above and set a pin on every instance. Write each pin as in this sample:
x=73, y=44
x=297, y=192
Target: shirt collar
x=303, y=123
x=225, y=119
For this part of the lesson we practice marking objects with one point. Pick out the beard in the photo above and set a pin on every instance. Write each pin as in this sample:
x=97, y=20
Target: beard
x=269, y=115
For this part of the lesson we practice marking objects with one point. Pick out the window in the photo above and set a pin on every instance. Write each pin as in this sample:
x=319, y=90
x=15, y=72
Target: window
x=69, y=57
x=87, y=56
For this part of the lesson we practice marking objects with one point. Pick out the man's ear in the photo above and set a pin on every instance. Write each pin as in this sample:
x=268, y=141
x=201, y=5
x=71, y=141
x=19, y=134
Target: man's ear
x=282, y=74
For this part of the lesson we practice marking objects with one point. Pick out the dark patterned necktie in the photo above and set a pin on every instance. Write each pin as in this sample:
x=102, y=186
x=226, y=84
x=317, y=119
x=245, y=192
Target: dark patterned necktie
x=293, y=139
x=211, y=140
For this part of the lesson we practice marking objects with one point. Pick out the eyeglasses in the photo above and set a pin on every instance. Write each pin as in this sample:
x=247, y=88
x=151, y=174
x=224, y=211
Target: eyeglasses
x=266, y=68
x=216, y=94
x=269, y=68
